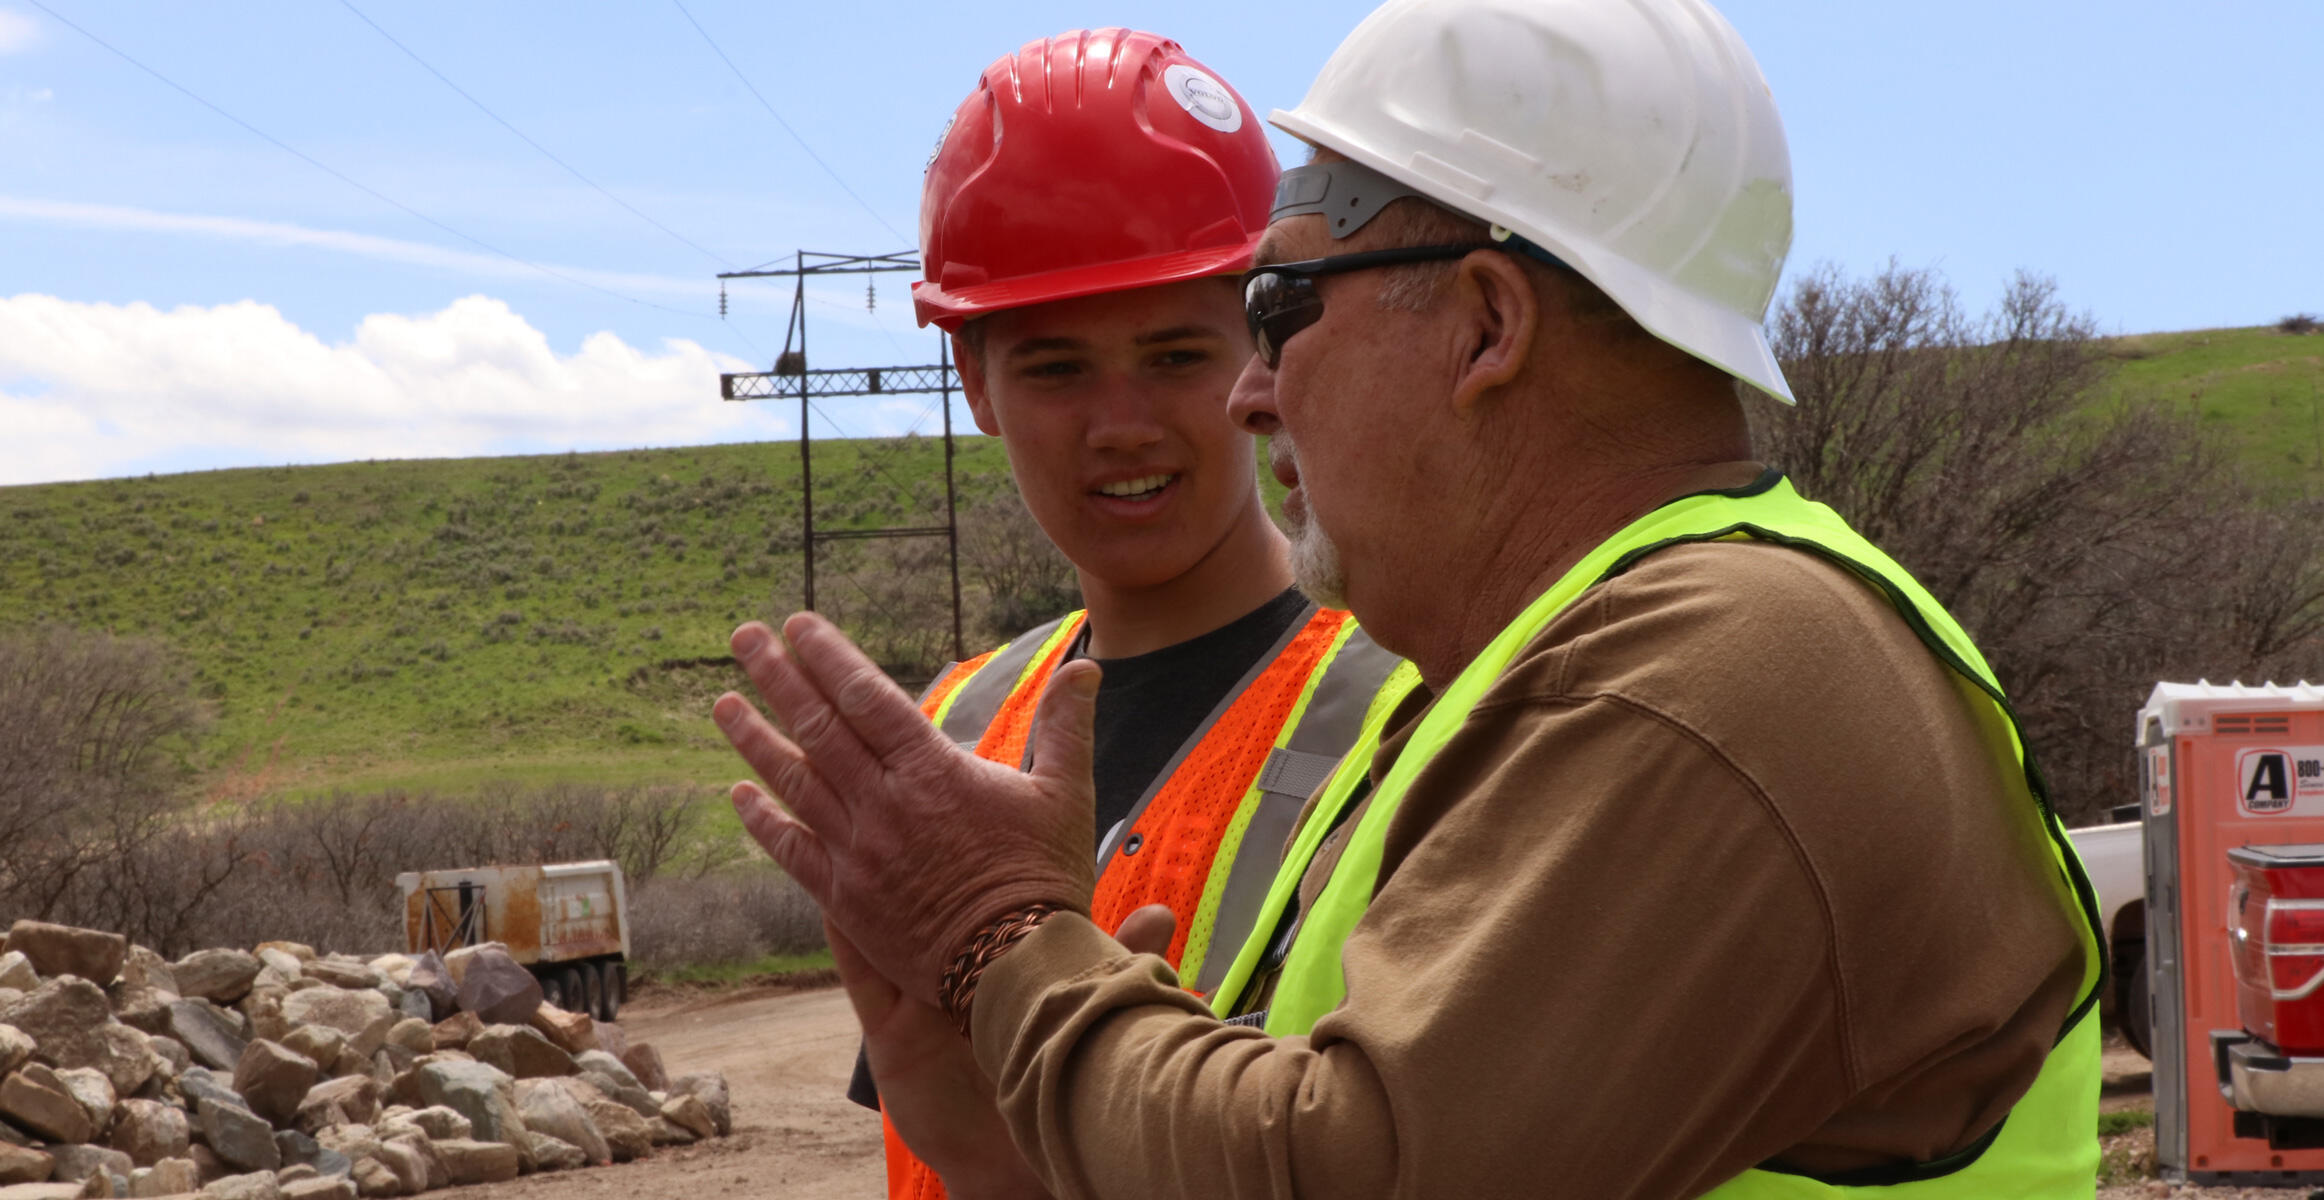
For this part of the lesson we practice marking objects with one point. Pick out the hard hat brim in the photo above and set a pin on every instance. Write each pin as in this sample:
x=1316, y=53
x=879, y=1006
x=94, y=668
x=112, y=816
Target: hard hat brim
x=949, y=309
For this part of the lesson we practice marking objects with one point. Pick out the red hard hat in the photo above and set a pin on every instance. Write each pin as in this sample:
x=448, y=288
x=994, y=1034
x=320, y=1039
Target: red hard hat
x=1090, y=162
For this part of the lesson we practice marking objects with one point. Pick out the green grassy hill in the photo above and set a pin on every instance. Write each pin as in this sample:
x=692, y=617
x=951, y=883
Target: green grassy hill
x=436, y=623
x=433, y=623
x=2264, y=390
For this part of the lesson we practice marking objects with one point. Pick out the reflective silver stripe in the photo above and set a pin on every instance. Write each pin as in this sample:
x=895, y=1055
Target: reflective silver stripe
x=1296, y=772
x=979, y=700
x=1334, y=716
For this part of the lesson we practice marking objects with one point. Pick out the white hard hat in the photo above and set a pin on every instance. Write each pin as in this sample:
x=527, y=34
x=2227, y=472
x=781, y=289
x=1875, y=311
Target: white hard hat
x=1634, y=140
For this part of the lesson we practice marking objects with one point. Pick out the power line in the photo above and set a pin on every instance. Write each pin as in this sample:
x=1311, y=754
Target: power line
x=520, y=134
x=367, y=190
x=867, y=208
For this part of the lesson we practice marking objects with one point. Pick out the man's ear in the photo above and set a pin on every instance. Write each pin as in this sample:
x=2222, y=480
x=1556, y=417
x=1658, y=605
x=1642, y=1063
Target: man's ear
x=1501, y=317
x=970, y=363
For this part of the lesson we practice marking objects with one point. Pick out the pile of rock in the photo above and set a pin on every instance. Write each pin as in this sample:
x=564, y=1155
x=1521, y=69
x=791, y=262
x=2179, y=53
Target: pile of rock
x=281, y=1074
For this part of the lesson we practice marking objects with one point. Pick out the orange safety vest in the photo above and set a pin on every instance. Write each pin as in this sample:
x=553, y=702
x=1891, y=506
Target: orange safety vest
x=1239, y=781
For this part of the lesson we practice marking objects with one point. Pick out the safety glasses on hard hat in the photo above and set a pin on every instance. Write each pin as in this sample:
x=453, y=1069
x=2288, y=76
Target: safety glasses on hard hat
x=1280, y=299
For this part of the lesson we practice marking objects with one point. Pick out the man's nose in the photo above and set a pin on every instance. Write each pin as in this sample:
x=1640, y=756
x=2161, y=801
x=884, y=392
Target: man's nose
x=1251, y=405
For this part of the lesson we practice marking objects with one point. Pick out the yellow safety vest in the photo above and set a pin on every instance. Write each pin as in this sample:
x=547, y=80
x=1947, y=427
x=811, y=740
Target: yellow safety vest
x=2046, y=1146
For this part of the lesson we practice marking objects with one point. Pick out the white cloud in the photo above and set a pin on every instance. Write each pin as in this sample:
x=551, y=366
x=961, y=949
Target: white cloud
x=18, y=31
x=841, y=303
x=97, y=390
x=43, y=95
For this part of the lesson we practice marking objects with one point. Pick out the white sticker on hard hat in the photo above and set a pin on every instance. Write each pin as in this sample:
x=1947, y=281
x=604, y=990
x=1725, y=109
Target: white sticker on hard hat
x=938, y=149
x=1204, y=98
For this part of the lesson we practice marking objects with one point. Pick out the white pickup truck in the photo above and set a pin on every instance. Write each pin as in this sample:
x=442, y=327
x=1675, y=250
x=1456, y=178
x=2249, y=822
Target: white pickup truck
x=2115, y=857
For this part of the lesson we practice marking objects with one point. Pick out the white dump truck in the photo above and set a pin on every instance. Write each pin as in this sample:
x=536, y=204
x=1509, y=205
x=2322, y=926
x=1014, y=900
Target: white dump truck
x=568, y=923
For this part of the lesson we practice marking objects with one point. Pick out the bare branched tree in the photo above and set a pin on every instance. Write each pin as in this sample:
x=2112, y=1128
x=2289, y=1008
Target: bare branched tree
x=2092, y=548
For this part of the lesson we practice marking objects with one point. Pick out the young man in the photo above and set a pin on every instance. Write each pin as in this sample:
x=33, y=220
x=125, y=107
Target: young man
x=1083, y=225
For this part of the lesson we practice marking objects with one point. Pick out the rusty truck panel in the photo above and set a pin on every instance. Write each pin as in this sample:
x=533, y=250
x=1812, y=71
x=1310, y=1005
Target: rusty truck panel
x=543, y=914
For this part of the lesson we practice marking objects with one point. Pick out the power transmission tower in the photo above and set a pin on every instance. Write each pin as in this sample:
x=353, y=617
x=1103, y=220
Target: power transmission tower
x=793, y=377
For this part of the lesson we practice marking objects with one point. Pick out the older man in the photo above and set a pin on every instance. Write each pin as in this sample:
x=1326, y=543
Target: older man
x=1706, y=859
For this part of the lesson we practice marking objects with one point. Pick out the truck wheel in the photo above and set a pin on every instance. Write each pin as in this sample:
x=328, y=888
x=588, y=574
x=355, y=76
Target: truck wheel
x=552, y=988
x=569, y=980
x=2138, y=1008
x=591, y=998
x=612, y=991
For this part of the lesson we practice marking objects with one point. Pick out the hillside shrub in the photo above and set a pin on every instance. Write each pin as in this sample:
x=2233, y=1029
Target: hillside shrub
x=2091, y=549
x=2299, y=323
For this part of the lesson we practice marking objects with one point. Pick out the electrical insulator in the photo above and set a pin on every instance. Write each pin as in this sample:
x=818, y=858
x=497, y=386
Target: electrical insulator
x=722, y=300
x=871, y=297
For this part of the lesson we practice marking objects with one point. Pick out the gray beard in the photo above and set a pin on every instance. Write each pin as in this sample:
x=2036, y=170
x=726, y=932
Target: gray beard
x=1315, y=558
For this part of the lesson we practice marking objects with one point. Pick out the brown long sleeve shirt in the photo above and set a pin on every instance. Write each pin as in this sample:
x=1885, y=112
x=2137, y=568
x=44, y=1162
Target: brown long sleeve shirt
x=1725, y=870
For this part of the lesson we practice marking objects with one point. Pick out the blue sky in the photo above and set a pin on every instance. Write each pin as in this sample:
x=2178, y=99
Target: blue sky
x=176, y=293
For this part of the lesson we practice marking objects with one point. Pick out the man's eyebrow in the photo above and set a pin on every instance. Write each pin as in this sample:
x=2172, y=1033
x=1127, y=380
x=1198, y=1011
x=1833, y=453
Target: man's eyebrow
x=1269, y=253
x=1177, y=333
x=1044, y=345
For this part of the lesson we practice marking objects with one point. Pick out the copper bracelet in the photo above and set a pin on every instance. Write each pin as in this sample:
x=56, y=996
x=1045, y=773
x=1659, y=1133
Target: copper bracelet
x=956, y=990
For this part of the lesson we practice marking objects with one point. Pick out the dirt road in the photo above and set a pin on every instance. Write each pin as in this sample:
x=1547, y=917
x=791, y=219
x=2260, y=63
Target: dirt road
x=786, y=1056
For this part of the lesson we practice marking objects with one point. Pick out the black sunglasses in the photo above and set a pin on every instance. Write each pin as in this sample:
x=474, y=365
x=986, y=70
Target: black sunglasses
x=1280, y=299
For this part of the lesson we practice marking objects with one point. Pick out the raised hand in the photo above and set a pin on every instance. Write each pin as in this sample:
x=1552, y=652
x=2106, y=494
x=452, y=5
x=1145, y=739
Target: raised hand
x=909, y=843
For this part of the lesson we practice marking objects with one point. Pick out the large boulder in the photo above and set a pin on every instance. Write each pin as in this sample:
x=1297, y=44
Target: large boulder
x=478, y=1091
x=169, y=1177
x=627, y=1134
x=16, y=1048
x=23, y=1164
x=710, y=1086
x=553, y=1154
x=214, y=1038
x=256, y=1185
x=149, y=1131
x=240, y=1137
x=94, y=1093
x=203, y=1085
x=71, y=1025
x=145, y=969
x=346, y=973
x=408, y=1161
x=145, y=1009
x=219, y=976
x=431, y=978
x=572, y=1032
x=299, y=1150
x=44, y=1191
x=645, y=1063
x=16, y=972
x=91, y=1162
x=435, y=1123
x=320, y=1044
x=175, y=1058
x=364, y=1016
x=478, y=1162
x=687, y=1112
x=413, y=1035
x=456, y=1031
x=353, y=1100
x=37, y=1100
x=496, y=987
x=321, y=1187
x=63, y=950
x=273, y=1079
x=298, y=951
x=548, y=1107
x=520, y=1051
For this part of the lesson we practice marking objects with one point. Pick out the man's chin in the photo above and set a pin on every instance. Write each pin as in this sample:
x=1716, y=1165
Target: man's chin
x=1316, y=568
